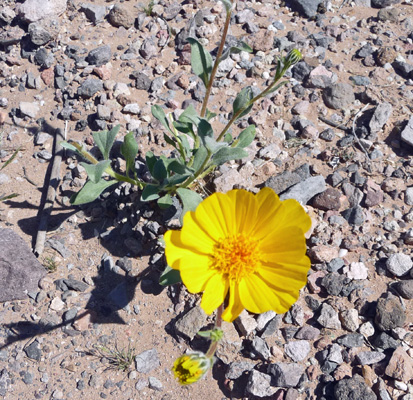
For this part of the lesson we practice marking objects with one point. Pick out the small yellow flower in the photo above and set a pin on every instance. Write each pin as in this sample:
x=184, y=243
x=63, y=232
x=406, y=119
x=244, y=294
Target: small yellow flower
x=191, y=367
x=250, y=246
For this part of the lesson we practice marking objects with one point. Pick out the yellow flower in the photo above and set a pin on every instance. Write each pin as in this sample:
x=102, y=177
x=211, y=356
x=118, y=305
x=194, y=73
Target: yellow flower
x=191, y=367
x=251, y=246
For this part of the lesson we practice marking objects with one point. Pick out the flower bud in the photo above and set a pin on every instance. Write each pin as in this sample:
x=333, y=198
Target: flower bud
x=293, y=57
x=191, y=367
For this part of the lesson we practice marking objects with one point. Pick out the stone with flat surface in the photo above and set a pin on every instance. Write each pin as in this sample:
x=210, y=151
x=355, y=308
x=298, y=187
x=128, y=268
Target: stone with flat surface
x=20, y=271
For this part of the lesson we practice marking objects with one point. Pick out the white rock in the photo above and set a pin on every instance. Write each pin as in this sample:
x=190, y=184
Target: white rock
x=34, y=10
x=29, y=109
x=356, y=270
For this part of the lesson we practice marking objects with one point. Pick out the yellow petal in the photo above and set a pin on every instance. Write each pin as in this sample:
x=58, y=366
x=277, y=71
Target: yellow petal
x=235, y=306
x=214, y=294
x=195, y=272
x=258, y=297
x=283, y=244
x=216, y=216
x=245, y=206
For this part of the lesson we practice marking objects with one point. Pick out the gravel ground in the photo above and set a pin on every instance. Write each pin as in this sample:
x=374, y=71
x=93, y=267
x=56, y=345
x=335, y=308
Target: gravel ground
x=338, y=138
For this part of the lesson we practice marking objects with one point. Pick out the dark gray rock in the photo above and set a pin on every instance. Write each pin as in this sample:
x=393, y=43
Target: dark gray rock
x=147, y=361
x=148, y=49
x=5, y=382
x=143, y=82
x=260, y=348
x=354, y=216
x=237, y=368
x=351, y=340
x=76, y=285
x=282, y=182
x=20, y=271
x=304, y=191
x=380, y=116
x=259, y=384
x=383, y=3
x=94, y=12
x=353, y=389
x=306, y=7
x=43, y=58
x=333, y=283
x=370, y=357
x=59, y=246
x=328, y=200
x=99, y=56
x=338, y=96
x=89, y=88
x=405, y=288
x=385, y=341
x=119, y=295
x=33, y=351
x=360, y=80
x=191, y=323
x=43, y=31
x=389, y=314
x=407, y=133
x=285, y=374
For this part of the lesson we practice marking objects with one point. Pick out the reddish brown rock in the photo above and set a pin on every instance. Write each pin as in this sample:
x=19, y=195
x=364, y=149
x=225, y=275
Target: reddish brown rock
x=400, y=366
x=47, y=76
x=328, y=200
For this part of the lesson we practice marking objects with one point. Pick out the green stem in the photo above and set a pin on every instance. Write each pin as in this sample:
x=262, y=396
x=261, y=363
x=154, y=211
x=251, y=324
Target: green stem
x=216, y=63
x=218, y=323
x=197, y=173
x=278, y=76
x=109, y=170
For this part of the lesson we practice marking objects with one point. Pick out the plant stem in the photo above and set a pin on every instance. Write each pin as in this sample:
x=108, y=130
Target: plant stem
x=197, y=173
x=109, y=170
x=252, y=101
x=216, y=63
x=218, y=324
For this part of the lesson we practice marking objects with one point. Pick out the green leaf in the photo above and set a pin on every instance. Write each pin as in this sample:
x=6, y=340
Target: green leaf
x=129, y=150
x=190, y=115
x=242, y=101
x=201, y=60
x=228, y=153
x=105, y=139
x=91, y=191
x=276, y=87
x=159, y=170
x=179, y=168
x=10, y=159
x=205, y=129
x=228, y=5
x=176, y=180
x=169, y=276
x=95, y=171
x=184, y=127
x=159, y=114
x=169, y=140
x=69, y=147
x=165, y=201
x=185, y=144
x=190, y=200
x=151, y=192
x=227, y=137
x=246, y=137
x=8, y=197
x=209, y=115
x=199, y=158
x=212, y=145
x=150, y=161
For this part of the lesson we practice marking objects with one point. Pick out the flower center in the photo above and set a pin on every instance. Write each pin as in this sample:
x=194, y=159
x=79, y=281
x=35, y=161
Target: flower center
x=236, y=257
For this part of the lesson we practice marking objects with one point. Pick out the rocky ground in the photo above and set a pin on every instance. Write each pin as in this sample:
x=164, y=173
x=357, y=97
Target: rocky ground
x=338, y=137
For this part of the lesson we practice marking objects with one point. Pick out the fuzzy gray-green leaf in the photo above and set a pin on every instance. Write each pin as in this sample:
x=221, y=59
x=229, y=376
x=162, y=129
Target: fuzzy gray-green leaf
x=91, y=191
x=169, y=276
x=159, y=114
x=129, y=150
x=105, y=139
x=228, y=153
x=246, y=137
x=190, y=200
x=95, y=171
x=242, y=102
x=151, y=192
x=201, y=60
